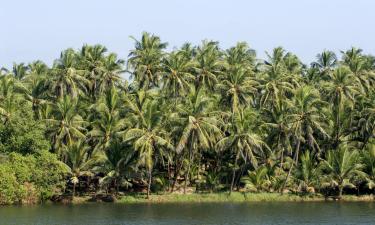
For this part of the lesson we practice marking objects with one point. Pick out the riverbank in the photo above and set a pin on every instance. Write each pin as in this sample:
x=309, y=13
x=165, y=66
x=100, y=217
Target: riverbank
x=235, y=197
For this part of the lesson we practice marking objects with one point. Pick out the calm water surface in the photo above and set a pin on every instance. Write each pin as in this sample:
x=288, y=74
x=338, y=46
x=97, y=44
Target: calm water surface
x=181, y=214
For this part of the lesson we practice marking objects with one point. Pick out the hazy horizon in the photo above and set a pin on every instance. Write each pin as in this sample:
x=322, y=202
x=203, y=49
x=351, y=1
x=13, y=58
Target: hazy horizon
x=41, y=29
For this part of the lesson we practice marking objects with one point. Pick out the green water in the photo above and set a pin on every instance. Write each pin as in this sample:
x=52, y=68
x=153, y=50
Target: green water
x=180, y=214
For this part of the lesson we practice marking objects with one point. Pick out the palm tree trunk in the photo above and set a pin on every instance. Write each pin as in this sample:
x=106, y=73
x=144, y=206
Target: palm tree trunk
x=341, y=187
x=233, y=174
x=176, y=172
x=291, y=167
x=338, y=124
x=149, y=183
x=74, y=190
x=187, y=173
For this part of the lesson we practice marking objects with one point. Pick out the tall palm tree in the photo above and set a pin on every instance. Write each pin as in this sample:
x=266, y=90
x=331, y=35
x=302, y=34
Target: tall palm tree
x=237, y=88
x=66, y=125
x=107, y=122
x=177, y=74
x=306, y=121
x=240, y=55
x=145, y=59
x=340, y=88
x=243, y=142
x=110, y=73
x=357, y=64
x=276, y=81
x=209, y=65
x=149, y=139
x=326, y=62
x=91, y=59
x=20, y=70
x=66, y=78
x=198, y=128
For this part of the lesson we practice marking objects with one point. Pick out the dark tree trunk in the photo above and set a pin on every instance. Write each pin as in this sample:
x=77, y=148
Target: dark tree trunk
x=149, y=183
x=291, y=167
x=233, y=175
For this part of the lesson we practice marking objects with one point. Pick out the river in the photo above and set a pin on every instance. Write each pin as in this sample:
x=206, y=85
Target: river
x=189, y=214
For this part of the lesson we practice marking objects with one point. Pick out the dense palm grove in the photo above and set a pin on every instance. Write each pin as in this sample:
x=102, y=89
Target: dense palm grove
x=195, y=118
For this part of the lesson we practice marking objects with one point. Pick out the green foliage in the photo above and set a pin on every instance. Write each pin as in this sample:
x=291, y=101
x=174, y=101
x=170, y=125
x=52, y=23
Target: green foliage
x=32, y=178
x=24, y=134
x=197, y=117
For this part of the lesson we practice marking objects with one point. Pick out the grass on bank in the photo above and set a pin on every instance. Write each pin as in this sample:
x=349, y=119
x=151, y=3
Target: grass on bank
x=235, y=197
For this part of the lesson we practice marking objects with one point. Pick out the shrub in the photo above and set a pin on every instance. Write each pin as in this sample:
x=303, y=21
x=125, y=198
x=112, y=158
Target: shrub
x=32, y=178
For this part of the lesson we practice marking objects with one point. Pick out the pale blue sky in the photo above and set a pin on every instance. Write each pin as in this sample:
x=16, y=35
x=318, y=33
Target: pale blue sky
x=40, y=29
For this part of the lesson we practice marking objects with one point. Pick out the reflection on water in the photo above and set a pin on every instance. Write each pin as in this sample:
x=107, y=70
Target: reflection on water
x=205, y=213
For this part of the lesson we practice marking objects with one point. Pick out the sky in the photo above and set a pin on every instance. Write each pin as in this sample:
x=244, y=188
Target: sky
x=40, y=29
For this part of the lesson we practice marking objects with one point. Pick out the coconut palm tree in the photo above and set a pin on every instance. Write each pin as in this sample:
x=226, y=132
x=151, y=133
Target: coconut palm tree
x=341, y=166
x=177, y=74
x=110, y=73
x=119, y=164
x=149, y=139
x=107, y=122
x=243, y=142
x=306, y=122
x=80, y=160
x=276, y=81
x=368, y=160
x=66, y=78
x=326, y=62
x=198, y=128
x=145, y=60
x=65, y=126
x=340, y=89
x=307, y=173
x=209, y=65
x=237, y=88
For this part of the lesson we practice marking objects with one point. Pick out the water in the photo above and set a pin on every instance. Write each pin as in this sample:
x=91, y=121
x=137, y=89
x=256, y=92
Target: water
x=189, y=214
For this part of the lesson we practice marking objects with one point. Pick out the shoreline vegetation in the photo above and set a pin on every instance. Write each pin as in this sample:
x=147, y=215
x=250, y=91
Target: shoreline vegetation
x=235, y=197
x=190, y=120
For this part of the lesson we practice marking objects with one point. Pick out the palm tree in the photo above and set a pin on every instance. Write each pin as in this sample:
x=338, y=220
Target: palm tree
x=340, y=88
x=20, y=70
x=91, y=59
x=198, y=128
x=80, y=160
x=9, y=98
x=257, y=179
x=66, y=125
x=368, y=159
x=276, y=81
x=145, y=60
x=209, y=65
x=306, y=122
x=107, y=123
x=66, y=78
x=356, y=62
x=110, y=73
x=119, y=162
x=326, y=61
x=243, y=142
x=177, y=76
x=342, y=165
x=278, y=128
x=149, y=139
x=241, y=55
x=307, y=173
x=237, y=89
